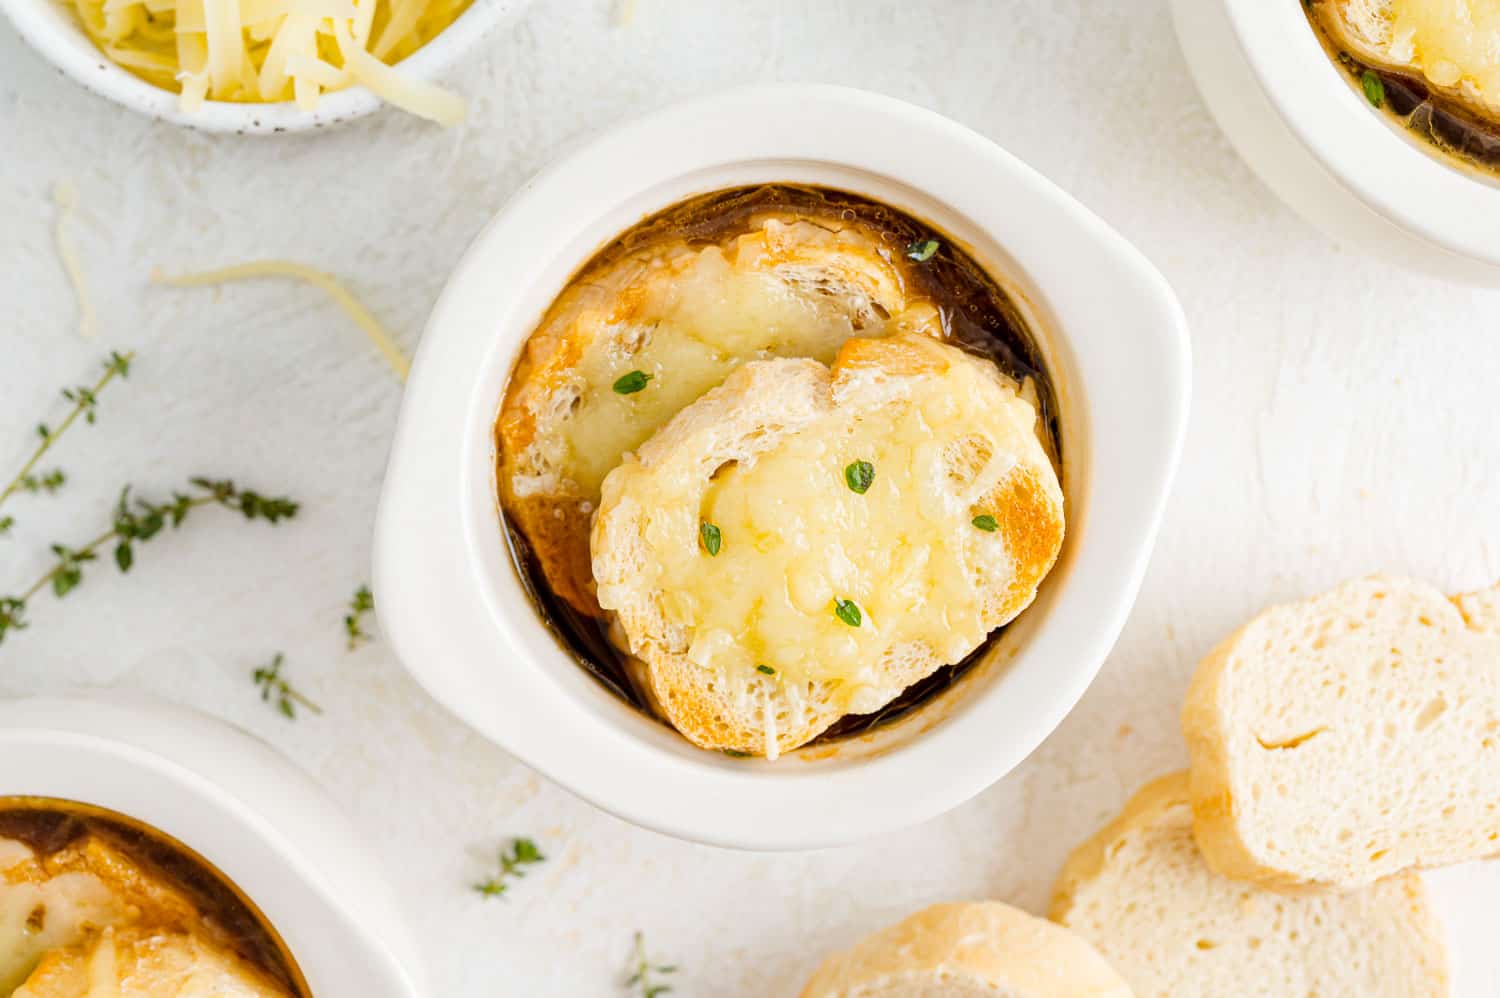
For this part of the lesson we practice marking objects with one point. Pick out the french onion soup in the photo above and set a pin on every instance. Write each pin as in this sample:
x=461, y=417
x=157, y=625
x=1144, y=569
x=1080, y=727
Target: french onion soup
x=93, y=903
x=1432, y=66
x=779, y=464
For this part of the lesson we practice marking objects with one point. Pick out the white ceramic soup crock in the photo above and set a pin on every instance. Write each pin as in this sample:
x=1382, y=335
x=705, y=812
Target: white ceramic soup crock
x=237, y=803
x=454, y=608
x=1316, y=142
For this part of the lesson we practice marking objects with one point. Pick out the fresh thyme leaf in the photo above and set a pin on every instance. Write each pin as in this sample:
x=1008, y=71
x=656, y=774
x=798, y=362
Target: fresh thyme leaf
x=361, y=603
x=846, y=611
x=12, y=614
x=48, y=482
x=859, y=476
x=641, y=971
x=629, y=384
x=6, y=522
x=522, y=852
x=735, y=753
x=922, y=250
x=712, y=537
x=765, y=669
x=1374, y=87
x=986, y=522
x=275, y=689
x=85, y=400
x=136, y=521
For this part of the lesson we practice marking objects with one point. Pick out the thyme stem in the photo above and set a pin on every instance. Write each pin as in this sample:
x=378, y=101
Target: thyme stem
x=83, y=403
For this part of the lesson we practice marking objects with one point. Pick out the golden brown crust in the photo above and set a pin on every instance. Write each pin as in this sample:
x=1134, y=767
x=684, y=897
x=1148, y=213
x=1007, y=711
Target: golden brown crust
x=893, y=357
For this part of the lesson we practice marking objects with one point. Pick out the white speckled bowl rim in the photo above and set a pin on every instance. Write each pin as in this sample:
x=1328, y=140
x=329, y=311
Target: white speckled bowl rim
x=455, y=611
x=51, y=29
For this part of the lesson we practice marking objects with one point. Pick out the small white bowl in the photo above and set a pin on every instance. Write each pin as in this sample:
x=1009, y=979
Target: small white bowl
x=1318, y=144
x=1114, y=339
x=238, y=804
x=52, y=30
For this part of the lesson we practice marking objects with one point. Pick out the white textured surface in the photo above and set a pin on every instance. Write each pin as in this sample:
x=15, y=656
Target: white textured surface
x=1344, y=421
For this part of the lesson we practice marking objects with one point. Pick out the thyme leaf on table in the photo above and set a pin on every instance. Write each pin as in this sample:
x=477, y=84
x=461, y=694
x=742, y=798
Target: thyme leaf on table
x=523, y=852
x=85, y=403
x=274, y=688
x=136, y=521
x=361, y=603
x=642, y=972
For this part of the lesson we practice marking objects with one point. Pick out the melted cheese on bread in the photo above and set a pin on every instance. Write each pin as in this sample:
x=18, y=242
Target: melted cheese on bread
x=130, y=963
x=1454, y=44
x=683, y=317
x=40, y=912
x=736, y=547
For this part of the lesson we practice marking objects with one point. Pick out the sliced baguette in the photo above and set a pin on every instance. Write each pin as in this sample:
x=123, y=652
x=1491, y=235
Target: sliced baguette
x=1350, y=736
x=686, y=314
x=968, y=950
x=1140, y=891
x=646, y=550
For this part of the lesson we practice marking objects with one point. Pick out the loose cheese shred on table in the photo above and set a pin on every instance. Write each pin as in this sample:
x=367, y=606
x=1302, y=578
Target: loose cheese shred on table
x=65, y=196
x=275, y=50
x=259, y=269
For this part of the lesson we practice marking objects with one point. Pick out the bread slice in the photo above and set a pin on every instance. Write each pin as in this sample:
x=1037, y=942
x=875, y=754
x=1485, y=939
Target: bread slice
x=1454, y=51
x=138, y=963
x=685, y=314
x=1142, y=894
x=1349, y=736
x=974, y=950
x=746, y=650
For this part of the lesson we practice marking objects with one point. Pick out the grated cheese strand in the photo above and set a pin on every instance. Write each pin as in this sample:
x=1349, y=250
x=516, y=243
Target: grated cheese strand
x=416, y=96
x=65, y=196
x=261, y=269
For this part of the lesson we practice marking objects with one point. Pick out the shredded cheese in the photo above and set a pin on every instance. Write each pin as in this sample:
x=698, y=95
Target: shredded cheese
x=275, y=50
x=260, y=269
x=65, y=196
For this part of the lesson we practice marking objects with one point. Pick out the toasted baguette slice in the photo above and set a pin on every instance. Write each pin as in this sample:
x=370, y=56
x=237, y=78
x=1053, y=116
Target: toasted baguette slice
x=1142, y=894
x=975, y=950
x=1350, y=736
x=685, y=314
x=1429, y=39
x=747, y=648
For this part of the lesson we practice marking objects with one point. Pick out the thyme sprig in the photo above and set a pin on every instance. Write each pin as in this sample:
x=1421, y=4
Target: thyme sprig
x=361, y=603
x=85, y=399
x=137, y=521
x=522, y=852
x=274, y=688
x=642, y=969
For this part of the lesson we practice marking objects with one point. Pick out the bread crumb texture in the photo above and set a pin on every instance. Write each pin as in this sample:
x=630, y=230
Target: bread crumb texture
x=1141, y=892
x=1350, y=736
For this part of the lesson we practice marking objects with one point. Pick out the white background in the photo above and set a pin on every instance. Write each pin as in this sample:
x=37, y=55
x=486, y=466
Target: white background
x=1346, y=418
